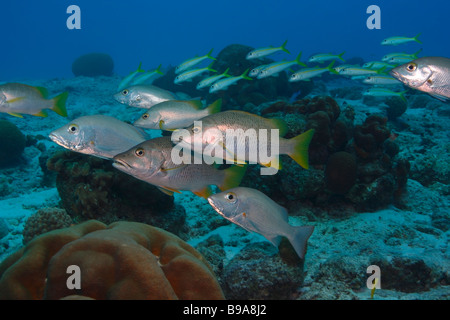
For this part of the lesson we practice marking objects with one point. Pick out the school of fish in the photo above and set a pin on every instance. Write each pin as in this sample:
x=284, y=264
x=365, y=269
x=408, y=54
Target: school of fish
x=178, y=163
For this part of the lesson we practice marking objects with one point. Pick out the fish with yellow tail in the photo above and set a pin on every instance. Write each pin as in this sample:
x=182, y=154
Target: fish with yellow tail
x=127, y=80
x=192, y=62
x=322, y=57
x=394, y=41
x=241, y=137
x=151, y=161
x=17, y=99
x=277, y=67
x=175, y=114
x=143, y=96
x=256, y=212
x=223, y=84
x=262, y=52
x=383, y=92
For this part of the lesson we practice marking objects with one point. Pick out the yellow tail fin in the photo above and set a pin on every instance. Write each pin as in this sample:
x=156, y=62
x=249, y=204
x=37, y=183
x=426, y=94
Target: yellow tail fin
x=300, y=148
x=60, y=104
x=233, y=177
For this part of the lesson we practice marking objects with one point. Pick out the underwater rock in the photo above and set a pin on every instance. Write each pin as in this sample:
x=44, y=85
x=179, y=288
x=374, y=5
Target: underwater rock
x=45, y=220
x=259, y=272
x=396, y=107
x=213, y=251
x=130, y=260
x=409, y=274
x=93, y=65
x=3, y=228
x=340, y=172
x=90, y=188
x=336, y=278
x=12, y=143
x=49, y=176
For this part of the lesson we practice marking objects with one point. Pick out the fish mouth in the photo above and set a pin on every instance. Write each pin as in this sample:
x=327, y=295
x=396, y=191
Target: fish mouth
x=121, y=165
x=215, y=206
x=58, y=140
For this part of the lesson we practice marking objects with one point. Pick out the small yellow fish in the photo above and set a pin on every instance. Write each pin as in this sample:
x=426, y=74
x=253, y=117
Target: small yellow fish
x=17, y=99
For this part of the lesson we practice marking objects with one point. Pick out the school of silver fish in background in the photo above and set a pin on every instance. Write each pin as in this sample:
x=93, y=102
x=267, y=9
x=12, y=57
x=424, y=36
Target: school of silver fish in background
x=133, y=152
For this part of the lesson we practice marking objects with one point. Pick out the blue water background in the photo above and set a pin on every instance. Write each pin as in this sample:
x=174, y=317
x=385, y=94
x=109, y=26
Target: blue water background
x=36, y=44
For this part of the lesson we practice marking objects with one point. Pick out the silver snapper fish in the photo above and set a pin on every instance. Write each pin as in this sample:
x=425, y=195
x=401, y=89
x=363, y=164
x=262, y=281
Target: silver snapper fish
x=143, y=96
x=17, y=99
x=175, y=114
x=151, y=161
x=98, y=135
x=232, y=132
x=427, y=74
x=256, y=212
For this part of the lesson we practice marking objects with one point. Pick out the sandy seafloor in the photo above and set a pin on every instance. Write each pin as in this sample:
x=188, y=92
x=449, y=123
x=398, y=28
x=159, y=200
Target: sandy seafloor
x=347, y=240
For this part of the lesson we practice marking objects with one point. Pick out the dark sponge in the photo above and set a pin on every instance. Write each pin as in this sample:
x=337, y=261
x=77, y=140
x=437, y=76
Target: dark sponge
x=93, y=65
x=12, y=143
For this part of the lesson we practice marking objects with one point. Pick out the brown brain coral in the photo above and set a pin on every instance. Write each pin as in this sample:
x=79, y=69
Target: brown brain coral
x=125, y=260
x=45, y=220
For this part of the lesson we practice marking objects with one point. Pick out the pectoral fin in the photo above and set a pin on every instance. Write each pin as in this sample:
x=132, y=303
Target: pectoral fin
x=15, y=114
x=204, y=193
x=15, y=99
x=168, y=191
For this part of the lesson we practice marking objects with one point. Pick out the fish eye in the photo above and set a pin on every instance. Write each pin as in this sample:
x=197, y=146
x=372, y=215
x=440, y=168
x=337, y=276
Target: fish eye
x=196, y=130
x=231, y=197
x=411, y=67
x=125, y=92
x=139, y=152
x=73, y=128
x=145, y=116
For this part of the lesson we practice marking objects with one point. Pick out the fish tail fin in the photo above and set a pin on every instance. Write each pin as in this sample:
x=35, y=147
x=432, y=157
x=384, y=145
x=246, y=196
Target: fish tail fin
x=204, y=193
x=244, y=75
x=41, y=113
x=215, y=107
x=226, y=74
x=298, y=60
x=158, y=70
x=209, y=68
x=381, y=70
x=415, y=54
x=299, y=149
x=233, y=177
x=59, y=105
x=283, y=47
x=299, y=239
x=139, y=69
x=330, y=67
x=416, y=38
x=402, y=95
x=340, y=56
x=209, y=54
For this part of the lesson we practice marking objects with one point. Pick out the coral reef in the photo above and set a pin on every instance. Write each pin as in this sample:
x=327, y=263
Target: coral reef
x=396, y=107
x=45, y=220
x=259, y=272
x=351, y=166
x=12, y=143
x=3, y=228
x=90, y=188
x=125, y=260
x=93, y=65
